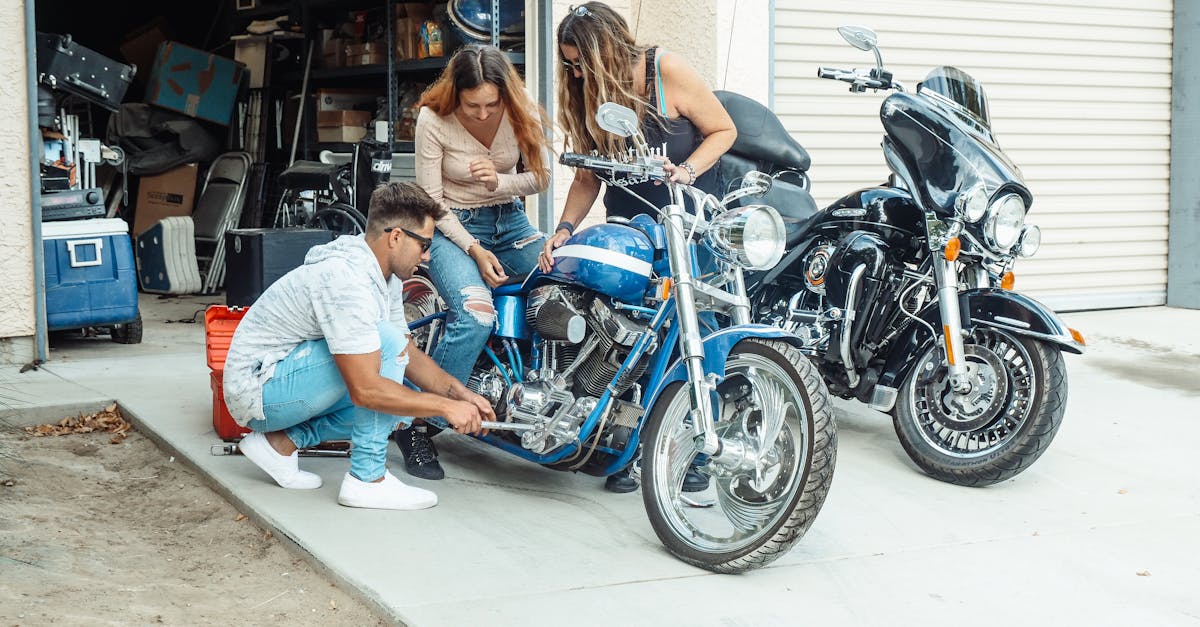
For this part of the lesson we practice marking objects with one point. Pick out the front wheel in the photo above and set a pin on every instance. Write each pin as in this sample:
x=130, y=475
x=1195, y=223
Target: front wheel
x=996, y=429
x=779, y=444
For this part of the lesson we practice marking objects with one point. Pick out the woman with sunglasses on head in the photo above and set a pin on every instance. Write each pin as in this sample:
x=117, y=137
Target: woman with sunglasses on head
x=601, y=62
x=476, y=123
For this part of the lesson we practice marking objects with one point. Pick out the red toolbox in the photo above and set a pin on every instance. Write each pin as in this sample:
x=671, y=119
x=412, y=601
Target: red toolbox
x=219, y=324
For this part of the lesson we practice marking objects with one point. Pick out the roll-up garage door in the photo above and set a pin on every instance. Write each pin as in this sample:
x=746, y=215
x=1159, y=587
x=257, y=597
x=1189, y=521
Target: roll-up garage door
x=1080, y=96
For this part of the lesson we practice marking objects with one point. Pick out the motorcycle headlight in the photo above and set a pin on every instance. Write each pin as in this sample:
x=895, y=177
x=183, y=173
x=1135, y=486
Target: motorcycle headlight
x=1031, y=241
x=1006, y=217
x=751, y=237
x=973, y=203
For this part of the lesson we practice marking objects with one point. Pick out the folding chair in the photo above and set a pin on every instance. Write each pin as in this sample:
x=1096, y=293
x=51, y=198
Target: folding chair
x=218, y=209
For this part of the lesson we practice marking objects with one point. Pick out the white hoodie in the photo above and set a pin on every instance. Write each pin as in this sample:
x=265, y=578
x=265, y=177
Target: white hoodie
x=338, y=295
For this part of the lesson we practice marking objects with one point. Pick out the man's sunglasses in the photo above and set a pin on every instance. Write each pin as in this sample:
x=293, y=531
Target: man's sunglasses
x=426, y=242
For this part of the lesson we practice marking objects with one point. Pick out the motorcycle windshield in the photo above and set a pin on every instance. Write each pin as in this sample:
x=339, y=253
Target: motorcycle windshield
x=941, y=153
x=961, y=94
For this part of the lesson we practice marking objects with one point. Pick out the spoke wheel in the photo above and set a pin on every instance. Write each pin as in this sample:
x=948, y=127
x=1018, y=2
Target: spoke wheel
x=421, y=299
x=999, y=426
x=339, y=218
x=778, y=436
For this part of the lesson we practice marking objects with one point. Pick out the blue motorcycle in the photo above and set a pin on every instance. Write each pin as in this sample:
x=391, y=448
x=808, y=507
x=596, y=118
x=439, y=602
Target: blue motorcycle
x=606, y=354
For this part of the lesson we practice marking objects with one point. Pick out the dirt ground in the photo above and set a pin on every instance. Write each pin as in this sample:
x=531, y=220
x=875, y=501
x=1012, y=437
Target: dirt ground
x=95, y=533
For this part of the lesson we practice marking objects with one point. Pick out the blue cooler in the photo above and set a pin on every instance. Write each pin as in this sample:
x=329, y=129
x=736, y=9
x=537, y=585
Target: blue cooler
x=90, y=275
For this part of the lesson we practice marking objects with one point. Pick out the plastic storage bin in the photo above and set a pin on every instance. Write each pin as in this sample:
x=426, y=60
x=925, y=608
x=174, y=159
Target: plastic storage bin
x=90, y=275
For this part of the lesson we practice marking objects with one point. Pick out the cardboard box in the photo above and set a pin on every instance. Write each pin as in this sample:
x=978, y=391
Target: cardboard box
x=342, y=134
x=172, y=193
x=335, y=53
x=333, y=99
x=195, y=83
x=139, y=46
x=374, y=58
x=343, y=118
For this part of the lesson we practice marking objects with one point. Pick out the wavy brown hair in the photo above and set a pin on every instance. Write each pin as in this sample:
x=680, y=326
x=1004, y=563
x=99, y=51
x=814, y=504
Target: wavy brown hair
x=607, y=51
x=475, y=65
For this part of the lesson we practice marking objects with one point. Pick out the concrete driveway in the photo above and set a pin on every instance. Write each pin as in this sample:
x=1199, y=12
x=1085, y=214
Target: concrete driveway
x=1103, y=530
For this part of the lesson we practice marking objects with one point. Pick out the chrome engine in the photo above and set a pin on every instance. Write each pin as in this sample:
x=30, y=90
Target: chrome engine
x=584, y=341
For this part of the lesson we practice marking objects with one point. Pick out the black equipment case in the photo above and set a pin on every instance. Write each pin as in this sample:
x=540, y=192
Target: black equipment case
x=256, y=258
x=65, y=65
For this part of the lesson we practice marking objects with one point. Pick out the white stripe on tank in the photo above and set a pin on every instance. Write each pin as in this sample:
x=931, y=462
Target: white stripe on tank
x=605, y=256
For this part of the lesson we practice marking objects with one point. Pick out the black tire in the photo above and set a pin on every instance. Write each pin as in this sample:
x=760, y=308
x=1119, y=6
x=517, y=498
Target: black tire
x=339, y=218
x=984, y=445
x=805, y=446
x=128, y=333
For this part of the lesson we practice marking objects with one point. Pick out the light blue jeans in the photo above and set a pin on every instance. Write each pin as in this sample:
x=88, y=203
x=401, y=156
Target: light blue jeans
x=502, y=229
x=307, y=399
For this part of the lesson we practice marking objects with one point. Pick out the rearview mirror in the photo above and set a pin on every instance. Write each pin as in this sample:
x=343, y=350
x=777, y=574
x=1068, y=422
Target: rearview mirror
x=617, y=119
x=860, y=37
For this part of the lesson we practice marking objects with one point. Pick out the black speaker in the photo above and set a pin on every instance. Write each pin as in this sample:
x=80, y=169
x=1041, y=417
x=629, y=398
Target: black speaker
x=256, y=258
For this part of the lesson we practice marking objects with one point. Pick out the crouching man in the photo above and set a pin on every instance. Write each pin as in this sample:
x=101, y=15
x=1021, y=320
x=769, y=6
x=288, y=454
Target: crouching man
x=322, y=355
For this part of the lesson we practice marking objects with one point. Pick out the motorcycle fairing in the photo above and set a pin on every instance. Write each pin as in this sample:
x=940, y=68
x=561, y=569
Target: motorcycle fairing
x=942, y=156
x=987, y=306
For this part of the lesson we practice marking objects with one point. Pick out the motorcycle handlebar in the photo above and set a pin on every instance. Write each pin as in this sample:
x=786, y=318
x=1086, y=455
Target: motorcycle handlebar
x=642, y=167
x=858, y=79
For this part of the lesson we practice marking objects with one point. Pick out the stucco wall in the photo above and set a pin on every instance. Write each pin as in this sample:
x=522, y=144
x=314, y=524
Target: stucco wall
x=16, y=239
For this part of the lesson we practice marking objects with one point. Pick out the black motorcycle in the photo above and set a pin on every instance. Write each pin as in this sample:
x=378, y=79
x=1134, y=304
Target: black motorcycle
x=901, y=292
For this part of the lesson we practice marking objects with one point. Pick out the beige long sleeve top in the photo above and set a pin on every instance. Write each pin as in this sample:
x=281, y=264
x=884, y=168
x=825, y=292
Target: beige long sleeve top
x=444, y=152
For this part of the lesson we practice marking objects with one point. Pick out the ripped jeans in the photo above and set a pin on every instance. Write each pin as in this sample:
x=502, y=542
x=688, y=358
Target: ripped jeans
x=502, y=229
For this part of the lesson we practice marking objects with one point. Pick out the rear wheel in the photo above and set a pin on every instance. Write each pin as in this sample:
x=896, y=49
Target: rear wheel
x=128, y=333
x=339, y=218
x=774, y=410
x=1000, y=426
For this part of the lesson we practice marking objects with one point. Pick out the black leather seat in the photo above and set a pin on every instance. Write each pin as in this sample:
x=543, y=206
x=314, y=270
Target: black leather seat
x=308, y=175
x=761, y=136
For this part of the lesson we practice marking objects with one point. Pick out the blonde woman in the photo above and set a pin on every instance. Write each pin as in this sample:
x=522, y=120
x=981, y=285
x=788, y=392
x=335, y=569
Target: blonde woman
x=601, y=62
x=475, y=125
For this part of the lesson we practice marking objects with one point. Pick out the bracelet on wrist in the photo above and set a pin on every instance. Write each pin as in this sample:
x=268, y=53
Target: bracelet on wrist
x=691, y=170
x=565, y=225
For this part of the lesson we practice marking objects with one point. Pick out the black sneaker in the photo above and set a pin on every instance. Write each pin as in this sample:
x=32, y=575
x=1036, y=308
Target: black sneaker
x=420, y=455
x=621, y=482
x=694, y=480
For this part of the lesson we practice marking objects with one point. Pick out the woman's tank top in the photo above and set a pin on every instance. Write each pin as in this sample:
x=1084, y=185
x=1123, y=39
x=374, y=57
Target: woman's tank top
x=679, y=137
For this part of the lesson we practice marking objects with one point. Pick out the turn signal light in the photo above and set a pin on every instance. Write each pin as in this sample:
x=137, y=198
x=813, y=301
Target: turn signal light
x=953, y=247
x=1006, y=283
x=666, y=286
x=1077, y=336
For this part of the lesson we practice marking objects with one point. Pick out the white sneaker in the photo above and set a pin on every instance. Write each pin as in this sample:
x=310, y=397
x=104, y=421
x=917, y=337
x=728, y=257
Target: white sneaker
x=284, y=469
x=391, y=493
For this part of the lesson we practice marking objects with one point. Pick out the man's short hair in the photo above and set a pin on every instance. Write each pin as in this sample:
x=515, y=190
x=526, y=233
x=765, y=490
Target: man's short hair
x=400, y=204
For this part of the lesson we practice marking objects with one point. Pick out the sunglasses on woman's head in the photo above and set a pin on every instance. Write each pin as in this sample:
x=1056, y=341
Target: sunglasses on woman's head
x=425, y=242
x=578, y=11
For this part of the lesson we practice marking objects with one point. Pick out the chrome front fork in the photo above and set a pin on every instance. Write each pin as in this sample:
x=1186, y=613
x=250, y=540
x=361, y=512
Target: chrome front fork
x=945, y=274
x=690, y=346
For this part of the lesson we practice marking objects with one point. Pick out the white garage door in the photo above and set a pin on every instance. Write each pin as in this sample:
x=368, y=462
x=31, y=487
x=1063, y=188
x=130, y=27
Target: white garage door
x=1080, y=96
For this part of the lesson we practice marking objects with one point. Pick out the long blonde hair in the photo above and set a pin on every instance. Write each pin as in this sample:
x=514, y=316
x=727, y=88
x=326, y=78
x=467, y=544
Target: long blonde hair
x=475, y=65
x=607, y=51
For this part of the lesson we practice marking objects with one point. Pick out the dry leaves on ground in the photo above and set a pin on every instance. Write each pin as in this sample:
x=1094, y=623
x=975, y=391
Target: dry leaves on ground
x=109, y=419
